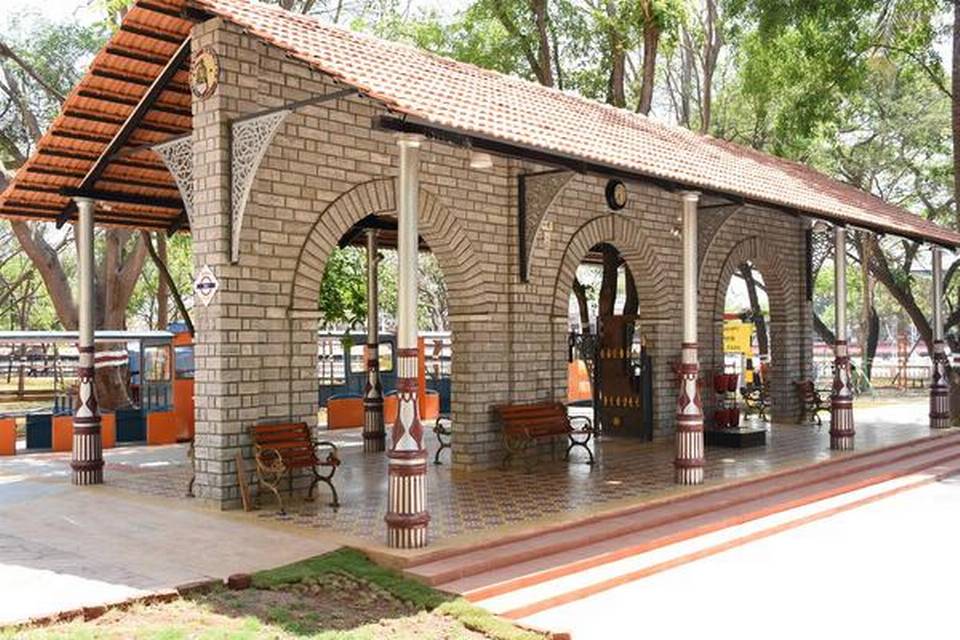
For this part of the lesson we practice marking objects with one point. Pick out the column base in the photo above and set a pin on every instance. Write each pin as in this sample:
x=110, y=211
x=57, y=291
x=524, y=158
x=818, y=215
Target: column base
x=939, y=408
x=842, y=431
x=87, y=462
x=374, y=442
x=689, y=475
x=407, y=516
x=374, y=432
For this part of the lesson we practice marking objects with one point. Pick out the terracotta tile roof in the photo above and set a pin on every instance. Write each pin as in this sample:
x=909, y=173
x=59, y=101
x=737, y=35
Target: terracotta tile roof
x=120, y=74
x=440, y=92
x=468, y=99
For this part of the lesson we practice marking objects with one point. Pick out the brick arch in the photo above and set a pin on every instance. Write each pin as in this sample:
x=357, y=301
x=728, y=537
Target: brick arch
x=636, y=251
x=462, y=271
x=783, y=304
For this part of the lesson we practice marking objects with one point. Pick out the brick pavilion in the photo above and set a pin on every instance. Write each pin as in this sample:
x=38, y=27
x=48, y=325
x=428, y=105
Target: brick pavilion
x=269, y=136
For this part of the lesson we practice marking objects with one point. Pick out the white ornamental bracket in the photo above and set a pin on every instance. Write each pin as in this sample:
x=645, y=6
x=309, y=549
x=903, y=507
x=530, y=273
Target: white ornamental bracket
x=177, y=155
x=249, y=140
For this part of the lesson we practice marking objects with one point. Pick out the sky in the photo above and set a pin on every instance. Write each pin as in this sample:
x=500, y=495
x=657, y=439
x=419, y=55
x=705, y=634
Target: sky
x=54, y=10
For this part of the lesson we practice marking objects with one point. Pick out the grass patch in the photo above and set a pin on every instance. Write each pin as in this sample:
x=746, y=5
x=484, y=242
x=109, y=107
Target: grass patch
x=359, y=566
x=482, y=621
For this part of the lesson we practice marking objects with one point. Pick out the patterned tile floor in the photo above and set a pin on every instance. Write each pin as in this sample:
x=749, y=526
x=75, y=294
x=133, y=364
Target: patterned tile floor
x=484, y=503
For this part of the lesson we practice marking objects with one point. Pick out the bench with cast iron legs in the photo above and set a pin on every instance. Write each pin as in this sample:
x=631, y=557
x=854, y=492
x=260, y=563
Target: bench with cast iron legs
x=525, y=424
x=812, y=401
x=281, y=449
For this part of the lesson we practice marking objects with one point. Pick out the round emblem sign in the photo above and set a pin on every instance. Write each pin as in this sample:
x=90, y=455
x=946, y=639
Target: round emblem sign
x=204, y=73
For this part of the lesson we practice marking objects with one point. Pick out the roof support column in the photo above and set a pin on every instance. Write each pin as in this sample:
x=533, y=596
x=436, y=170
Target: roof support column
x=939, y=386
x=374, y=436
x=87, y=461
x=841, y=402
x=407, y=515
x=689, y=460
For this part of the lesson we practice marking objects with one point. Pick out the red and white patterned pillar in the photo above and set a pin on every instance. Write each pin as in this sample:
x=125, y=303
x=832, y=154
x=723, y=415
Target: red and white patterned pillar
x=407, y=517
x=939, y=385
x=87, y=460
x=689, y=460
x=374, y=435
x=841, y=402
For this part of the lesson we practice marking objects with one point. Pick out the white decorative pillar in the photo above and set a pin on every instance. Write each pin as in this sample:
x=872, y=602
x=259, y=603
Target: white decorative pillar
x=87, y=461
x=939, y=385
x=689, y=460
x=374, y=436
x=841, y=402
x=407, y=515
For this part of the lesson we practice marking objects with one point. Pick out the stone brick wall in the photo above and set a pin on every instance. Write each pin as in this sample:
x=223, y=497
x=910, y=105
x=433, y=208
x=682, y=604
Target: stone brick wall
x=328, y=167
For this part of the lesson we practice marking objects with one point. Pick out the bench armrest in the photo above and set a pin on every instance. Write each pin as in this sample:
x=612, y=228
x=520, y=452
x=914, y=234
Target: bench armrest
x=333, y=457
x=586, y=424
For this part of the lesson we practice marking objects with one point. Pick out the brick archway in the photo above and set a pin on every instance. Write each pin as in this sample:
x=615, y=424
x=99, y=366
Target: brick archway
x=462, y=270
x=636, y=251
x=783, y=303
x=657, y=300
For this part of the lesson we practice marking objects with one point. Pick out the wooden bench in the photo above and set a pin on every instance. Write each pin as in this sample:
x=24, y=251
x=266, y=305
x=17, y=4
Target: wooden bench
x=280, y=449
x=525, y=424
x=811, y=401
x=755, y=401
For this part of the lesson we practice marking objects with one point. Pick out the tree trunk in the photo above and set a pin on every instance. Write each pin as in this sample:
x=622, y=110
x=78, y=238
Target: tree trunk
x=163, y=319
x=580, y=293
x=616, y=93
x=823, y=331
x=711, y=52
x=608, y=284
x=955, y=111
x=763, y=340
x=544, y=59
x=631, y=303
x=651, y=41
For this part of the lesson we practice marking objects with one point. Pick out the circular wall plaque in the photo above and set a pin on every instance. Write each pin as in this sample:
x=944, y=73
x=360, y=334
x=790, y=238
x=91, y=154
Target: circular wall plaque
x=204, y=73
x=616, y=193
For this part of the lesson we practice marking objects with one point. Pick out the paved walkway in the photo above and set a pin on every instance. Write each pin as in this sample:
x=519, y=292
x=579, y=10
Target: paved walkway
x=63, y=547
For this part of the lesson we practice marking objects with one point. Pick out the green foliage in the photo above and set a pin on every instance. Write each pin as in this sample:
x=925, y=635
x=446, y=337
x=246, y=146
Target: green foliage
x=343, y=292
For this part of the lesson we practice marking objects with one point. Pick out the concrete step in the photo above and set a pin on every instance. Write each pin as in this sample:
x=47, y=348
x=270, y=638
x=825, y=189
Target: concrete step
x=565, y=587
x=452, y=567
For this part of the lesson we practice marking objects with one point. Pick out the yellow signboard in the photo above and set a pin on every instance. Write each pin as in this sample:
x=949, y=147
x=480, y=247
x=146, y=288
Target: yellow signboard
x=738, y=337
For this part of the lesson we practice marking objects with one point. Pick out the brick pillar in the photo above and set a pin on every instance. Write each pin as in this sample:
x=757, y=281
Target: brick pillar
x=407, y=517
x=841, y=402
x=689, y=460
x=87, y=460
x=939, y=386
x=374, y=436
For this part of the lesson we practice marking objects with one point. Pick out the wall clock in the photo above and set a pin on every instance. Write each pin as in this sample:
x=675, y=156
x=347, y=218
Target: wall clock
x=616, y=193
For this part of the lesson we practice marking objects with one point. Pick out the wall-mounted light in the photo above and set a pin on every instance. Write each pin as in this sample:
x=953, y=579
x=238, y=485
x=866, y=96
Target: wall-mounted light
x=480, y=160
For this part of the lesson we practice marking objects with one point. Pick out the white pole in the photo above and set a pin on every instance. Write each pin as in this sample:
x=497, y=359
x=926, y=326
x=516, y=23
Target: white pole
x=407, y=515
x=939, y=384
x=689, y=459
x=374, y=436
x=841, y=405
x=87, y=459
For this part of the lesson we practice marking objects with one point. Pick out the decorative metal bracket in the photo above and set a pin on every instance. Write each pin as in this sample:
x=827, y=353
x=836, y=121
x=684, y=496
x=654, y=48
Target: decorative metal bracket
x=535, y=192
x=177, y=155
x=249, y=140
